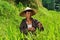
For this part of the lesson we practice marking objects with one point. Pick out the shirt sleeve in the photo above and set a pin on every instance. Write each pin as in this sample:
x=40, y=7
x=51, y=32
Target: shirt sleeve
x=39, y=25
x=22, y=27
x=37, y=22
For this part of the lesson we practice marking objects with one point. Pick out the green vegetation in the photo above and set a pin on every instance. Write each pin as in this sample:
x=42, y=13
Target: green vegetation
x=10, y=22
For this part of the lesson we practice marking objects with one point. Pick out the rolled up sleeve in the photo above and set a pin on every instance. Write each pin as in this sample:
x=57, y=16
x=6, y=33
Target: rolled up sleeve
x=40, y=26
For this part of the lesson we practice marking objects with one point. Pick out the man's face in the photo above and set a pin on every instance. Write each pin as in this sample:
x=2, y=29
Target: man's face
x=28, y=14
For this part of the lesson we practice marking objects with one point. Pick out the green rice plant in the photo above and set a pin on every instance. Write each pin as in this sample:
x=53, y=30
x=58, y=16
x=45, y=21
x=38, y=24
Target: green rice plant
x=10, y=23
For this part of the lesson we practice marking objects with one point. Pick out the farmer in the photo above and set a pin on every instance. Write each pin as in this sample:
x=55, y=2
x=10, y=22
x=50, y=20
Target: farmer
x=29, y=24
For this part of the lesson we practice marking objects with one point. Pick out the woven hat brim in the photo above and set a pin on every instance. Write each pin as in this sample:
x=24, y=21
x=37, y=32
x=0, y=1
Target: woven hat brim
x=23, y=13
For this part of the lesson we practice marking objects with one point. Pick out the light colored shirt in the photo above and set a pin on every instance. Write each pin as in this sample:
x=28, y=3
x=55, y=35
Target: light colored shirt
x=29, y=25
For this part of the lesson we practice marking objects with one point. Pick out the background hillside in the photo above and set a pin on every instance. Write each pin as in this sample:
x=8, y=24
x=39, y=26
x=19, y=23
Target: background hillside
x=10, y=21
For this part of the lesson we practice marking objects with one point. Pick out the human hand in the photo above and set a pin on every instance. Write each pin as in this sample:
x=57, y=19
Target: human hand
x=31, y=29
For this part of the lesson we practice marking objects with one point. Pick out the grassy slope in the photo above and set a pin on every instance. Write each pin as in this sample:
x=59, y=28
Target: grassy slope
x=10, y=20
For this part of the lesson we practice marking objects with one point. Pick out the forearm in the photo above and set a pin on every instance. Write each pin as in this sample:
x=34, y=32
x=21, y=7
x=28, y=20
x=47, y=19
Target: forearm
x=41, y=27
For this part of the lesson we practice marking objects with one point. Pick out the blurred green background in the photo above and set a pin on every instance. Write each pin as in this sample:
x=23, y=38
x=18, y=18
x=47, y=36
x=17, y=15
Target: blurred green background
x=47, y=13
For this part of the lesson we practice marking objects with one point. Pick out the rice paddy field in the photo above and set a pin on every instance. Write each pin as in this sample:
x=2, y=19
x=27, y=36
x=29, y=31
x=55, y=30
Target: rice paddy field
x=10, y=23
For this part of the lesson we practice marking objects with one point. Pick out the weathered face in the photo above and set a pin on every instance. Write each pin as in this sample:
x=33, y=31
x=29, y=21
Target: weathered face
x=28, y=14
